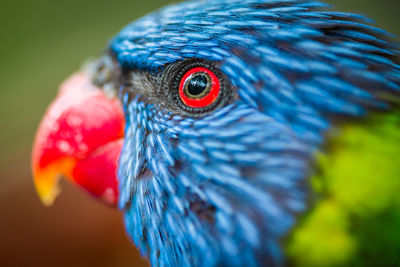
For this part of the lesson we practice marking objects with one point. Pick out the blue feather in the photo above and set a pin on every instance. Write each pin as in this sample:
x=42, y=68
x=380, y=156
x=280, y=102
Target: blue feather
x=224, y=189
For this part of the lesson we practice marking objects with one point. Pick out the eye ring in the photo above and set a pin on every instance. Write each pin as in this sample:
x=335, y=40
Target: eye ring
x=177, y=97
x=199, y=87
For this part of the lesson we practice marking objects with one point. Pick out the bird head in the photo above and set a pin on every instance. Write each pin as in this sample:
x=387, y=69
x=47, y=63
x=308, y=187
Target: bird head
x=220, y=106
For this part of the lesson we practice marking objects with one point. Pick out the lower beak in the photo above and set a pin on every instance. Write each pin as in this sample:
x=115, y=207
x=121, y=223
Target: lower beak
x=80, y=137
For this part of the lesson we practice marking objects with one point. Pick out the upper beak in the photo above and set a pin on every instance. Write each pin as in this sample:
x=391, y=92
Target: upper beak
x=80, y=137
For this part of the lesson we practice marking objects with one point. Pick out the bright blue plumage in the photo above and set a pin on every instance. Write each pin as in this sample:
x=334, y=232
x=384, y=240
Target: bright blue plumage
x=188, y=204
x=225, y=189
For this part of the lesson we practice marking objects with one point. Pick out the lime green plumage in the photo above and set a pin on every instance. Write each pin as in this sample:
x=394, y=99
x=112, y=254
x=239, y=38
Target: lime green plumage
x=355, y=215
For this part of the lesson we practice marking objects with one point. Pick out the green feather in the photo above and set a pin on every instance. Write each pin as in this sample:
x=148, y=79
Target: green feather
x=355, y=215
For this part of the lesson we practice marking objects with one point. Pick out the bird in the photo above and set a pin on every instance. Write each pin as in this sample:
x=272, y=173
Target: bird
x=238, y=133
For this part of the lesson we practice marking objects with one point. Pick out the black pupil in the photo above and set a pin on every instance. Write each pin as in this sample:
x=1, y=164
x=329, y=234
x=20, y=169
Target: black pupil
x=197, y=84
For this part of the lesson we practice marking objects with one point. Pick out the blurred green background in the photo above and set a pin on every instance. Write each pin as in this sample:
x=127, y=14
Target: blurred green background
x=42, y=42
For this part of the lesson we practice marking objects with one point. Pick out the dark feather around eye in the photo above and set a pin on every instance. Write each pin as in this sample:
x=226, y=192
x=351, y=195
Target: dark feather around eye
x=171, y=77
x=161, y=87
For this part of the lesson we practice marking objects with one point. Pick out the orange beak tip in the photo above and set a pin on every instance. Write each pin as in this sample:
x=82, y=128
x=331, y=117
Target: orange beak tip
x=48, y=190
x=48, y=195
x=47, y=179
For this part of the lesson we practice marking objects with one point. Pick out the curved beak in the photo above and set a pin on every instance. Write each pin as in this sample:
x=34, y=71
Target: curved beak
x=80, y=137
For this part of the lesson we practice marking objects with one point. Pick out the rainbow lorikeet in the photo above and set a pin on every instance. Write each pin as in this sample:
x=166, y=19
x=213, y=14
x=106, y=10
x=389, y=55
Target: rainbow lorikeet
x=238, y=133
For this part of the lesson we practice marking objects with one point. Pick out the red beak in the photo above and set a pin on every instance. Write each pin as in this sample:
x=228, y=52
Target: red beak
x=80, y=137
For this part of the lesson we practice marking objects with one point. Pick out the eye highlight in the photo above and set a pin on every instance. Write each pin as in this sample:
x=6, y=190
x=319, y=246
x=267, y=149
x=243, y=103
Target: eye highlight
x=199, y=87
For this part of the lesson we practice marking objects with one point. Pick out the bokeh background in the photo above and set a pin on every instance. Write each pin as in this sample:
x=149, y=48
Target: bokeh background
x=41, y=43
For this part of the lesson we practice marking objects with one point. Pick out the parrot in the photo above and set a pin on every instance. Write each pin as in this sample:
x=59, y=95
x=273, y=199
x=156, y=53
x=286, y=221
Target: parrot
x=237, y=133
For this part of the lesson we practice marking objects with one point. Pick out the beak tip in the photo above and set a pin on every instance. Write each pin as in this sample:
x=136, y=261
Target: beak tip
x=49, y=199
x=48, y=196
x=47, y=187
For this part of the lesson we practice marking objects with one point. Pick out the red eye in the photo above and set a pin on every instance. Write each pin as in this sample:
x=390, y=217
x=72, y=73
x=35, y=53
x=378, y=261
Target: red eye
x=199, y=87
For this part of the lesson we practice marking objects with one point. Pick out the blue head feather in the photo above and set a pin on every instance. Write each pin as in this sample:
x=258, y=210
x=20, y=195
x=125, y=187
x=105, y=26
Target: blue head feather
x=225, y=189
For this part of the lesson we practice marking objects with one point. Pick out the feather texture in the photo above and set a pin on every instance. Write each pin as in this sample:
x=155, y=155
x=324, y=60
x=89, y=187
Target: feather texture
x=226, y=188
